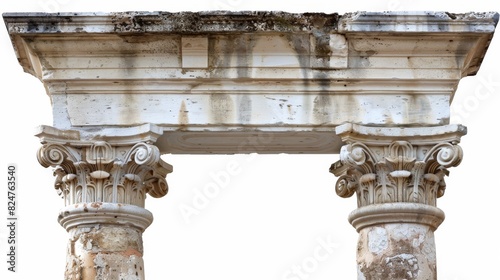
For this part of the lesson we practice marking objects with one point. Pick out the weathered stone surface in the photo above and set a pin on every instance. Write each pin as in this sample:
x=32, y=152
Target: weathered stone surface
x=96, y=172
x=397, y=175
x=396, y=251
x=385, y=165
x=105, y=252
x=374, y=87
x=212, y=80
x=104, y=184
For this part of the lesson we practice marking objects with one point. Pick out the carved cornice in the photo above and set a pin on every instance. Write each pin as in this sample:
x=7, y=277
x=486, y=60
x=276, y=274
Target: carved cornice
x=399, y=167
x=101, y=172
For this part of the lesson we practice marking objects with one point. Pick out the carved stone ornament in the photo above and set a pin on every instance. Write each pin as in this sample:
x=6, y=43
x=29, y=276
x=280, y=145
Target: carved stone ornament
x=396, y=169
x=101, y=172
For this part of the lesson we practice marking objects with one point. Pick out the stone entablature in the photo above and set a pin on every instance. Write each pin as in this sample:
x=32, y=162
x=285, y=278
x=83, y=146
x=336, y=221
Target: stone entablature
x=294, y=77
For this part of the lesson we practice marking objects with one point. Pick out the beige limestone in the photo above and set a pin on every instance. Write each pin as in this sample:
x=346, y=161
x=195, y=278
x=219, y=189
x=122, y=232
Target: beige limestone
x=397, y=175
x=211, y=80
x=104, y=187
x=128, y=87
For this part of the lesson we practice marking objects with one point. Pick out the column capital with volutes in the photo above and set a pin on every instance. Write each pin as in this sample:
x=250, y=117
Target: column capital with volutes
x=396, y=164
x=114, y=169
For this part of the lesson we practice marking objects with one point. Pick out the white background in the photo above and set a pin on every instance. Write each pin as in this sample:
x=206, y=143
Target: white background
x=271, y=215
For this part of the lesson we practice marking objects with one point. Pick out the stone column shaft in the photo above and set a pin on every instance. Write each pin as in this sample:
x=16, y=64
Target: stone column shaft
x=100, y=248
x=397, y=175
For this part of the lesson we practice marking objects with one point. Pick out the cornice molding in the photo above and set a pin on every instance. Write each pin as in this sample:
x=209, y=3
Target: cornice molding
x=248, y=21
x=418, y=21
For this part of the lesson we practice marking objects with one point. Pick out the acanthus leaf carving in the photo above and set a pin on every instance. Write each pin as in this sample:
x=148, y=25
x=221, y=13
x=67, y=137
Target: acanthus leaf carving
x=99, y=173
x=395, y=175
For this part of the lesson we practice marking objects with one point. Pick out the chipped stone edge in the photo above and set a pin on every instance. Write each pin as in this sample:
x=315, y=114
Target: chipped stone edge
x=384, y=135
x=418, y=21
x=177, y=22
x=119, y=136
x=226, y=21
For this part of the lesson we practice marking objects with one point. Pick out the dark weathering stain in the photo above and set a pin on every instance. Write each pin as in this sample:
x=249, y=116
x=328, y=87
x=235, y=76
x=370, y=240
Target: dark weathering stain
x=403, y=266
x=322, y=110
x=323, y=107
x=228, y=51
x=183, y=118
x=221, y=107
x=244, y=110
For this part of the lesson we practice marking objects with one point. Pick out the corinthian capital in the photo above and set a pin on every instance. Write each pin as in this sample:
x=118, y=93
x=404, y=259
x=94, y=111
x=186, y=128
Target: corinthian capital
x=383, y=165
x=98, y=171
